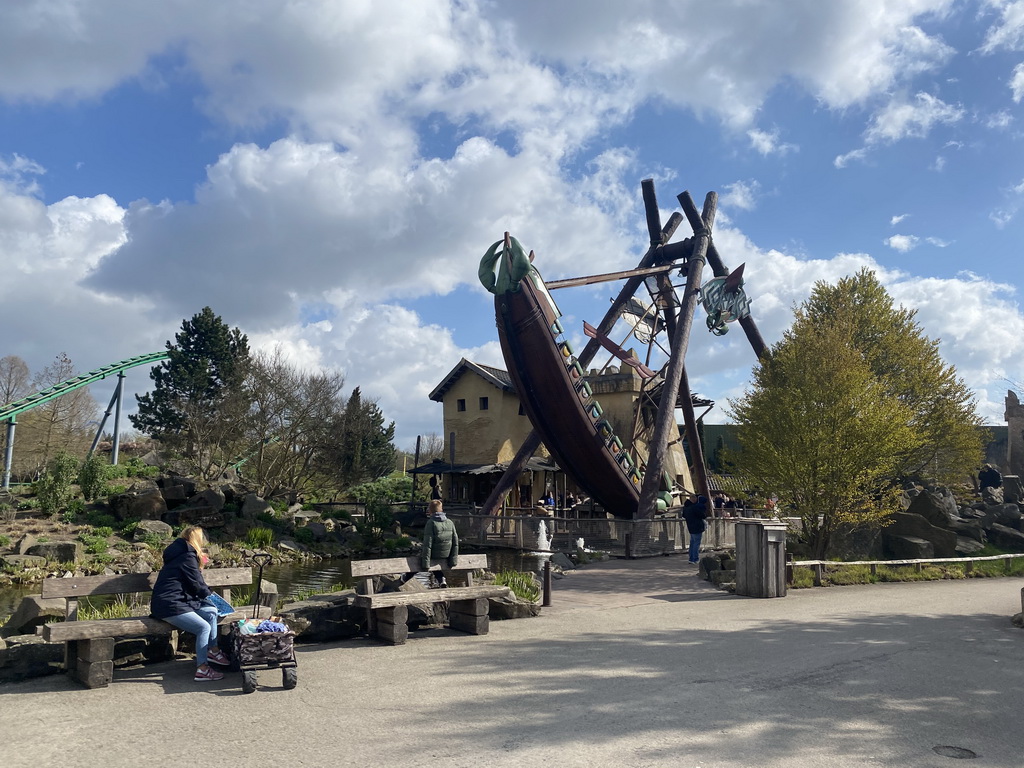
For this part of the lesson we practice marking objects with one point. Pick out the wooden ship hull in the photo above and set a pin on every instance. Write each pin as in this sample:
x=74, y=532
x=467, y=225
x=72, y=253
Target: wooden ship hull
x=558, y=401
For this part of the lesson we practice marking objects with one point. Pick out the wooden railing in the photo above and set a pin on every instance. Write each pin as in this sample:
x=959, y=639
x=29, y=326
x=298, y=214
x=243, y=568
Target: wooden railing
x=820, y=566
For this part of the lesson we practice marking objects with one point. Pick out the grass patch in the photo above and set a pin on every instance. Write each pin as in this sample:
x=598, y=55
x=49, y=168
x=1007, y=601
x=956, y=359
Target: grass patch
x=840, y=575
x=523, y=585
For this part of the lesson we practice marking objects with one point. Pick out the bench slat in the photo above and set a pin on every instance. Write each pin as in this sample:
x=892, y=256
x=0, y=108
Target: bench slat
x=395, y=599
x=128, y=583
x=384, y=566
x=132, y=626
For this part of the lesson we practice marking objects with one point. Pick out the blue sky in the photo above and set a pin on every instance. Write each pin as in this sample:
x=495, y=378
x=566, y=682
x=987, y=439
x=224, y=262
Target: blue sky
x=326, y=175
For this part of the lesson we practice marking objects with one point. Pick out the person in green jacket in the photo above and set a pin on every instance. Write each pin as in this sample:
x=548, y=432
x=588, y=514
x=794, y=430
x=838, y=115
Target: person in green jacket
x=440, y=540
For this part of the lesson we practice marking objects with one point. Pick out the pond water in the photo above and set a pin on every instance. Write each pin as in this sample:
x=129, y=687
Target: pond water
x=294, y=578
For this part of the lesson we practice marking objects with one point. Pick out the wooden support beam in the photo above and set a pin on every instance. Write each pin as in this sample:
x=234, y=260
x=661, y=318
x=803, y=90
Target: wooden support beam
x=607, y=277
x=665, y=422
x=532, y=441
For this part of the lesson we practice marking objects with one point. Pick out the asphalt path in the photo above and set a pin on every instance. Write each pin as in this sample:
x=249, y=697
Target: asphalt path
x=637, y=663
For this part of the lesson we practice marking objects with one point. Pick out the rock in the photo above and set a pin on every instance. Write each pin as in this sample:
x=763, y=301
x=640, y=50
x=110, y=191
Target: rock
x=27, y=542
x=936, y=506
x=1013, y=489
x=187, y=484
x=319, y=530
x=970, y=528
x=562, y=561
x=992, y=495
x=174, y=496
x=500, y=608
x=722, y=577
x=34, y=611
x=290, y=545
x=1003, y=514
x=27, y=656
x=153, y=528
x=254, y=505
x=207, y=517
x=304, y=517
x=708, y=565
x=1006, y=538
x=130, y=505
x=967, y=547
x=321, y=618
x=211, y=498
x=23, y=561
x=908, y=547
x=58, y=551
x=905, y=524
x=1018, y=620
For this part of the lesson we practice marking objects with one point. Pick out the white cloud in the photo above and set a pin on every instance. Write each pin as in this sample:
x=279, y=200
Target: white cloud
x=902, y=243
x=901, y=119
x=741, y=194
x=897, y=219
x=938, y=242
x=767, y=142
x=1008, y=33
x=1017, y=83
x=1002, y=120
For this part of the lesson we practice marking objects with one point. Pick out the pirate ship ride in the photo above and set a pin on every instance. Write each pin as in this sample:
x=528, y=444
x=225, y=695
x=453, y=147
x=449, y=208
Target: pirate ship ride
x=551, y=380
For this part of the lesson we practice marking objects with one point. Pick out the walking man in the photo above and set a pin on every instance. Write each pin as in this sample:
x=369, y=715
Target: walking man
x=695, y=514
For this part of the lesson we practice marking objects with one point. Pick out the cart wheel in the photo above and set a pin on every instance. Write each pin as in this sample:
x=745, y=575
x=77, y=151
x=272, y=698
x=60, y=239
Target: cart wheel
x=249, y=683
x=291, y=677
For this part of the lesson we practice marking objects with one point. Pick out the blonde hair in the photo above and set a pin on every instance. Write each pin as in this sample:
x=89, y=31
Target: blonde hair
x=435, y=506
x=196, y=538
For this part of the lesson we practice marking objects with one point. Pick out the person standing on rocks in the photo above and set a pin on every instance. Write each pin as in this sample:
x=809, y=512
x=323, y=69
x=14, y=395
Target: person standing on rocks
x=695, y=514
x=989, y=477
x=178, y=597
x=440, y=540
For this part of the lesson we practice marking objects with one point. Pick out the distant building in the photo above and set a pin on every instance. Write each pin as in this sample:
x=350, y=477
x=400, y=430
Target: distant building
x=484, y=425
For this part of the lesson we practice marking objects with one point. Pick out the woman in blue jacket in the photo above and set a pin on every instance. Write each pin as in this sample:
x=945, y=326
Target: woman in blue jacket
x=178, y=597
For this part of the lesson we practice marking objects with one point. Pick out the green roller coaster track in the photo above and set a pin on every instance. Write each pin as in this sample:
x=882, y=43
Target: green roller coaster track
x=10, y=411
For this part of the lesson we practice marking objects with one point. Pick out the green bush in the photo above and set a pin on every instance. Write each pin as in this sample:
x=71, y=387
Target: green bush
x=5, y=541
x=100, y=519
x=259, y=538
x=54, y=489
x=304, y=536
x=115, y=490
x=523, y=585
x=95, y=543
x=268, y=518
x=92, y=477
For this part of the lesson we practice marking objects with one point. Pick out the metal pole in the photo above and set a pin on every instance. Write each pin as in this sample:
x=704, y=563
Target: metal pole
x=9, y=451
x=547, y=583
x=119, y=395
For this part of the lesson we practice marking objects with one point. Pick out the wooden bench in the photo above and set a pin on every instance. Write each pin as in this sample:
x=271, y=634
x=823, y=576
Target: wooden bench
x=89, y=645
x=388, y=612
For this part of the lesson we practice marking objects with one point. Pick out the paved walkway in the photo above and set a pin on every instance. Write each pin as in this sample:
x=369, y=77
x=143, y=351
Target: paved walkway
x=638, y=663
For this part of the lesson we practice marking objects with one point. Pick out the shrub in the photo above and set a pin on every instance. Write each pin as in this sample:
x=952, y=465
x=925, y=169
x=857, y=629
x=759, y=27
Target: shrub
x=92, y=477
x=114, y=490
x=99, y=519
x=304, y=535
x=8, y=513
x=54, y=489
x=5, y=541
x=523, y=585
x=267, y=517
x=259, y=538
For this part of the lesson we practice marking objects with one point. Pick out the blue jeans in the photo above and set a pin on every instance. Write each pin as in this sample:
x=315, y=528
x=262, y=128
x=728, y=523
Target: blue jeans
x=202, y=624
x=695, y=546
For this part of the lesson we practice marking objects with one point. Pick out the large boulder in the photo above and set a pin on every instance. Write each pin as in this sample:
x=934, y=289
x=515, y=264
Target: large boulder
x=1013, y=489
x=968, y=547
x=906, y=524
x=22, y=561
x=211, y=498
x=33, y=612
x=138, y=505
x=908, y=547
x=936, y=505
x=27, y=542
x=187, y=484
x=321, y=618
x=151, y=528
x=971, y=529
x=254, y=505
x=174, y=496
x=58, y=551
x=992, y=495
x=1006, y=538
x=27, y=656
x=1002, y=514
x=511, y=608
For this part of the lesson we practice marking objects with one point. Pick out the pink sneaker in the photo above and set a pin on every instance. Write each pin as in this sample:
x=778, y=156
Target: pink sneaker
x=217, y=656
x=208, y=674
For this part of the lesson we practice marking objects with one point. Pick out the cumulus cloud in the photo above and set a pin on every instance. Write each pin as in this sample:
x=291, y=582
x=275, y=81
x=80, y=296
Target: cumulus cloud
x=1008, y=32
x=898, y=218
x=902, y=243
x=767, y=142
x=901, y=119
x=1017, y=83
x=741, y=194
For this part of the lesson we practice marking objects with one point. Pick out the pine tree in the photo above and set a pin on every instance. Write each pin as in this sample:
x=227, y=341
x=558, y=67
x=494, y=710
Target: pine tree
x=198, y=403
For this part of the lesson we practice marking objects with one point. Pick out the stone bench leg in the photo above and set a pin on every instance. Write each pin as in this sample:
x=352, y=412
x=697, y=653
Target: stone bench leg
x=392, y=624
x=91, y=662
x=469, y=616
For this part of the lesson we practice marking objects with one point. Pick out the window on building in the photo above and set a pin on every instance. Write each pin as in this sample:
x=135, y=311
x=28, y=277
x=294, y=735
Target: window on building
x=460, y=405
x=483, y=403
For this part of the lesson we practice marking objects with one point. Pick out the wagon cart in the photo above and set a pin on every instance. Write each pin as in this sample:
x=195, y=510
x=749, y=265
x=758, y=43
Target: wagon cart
x=264, y=650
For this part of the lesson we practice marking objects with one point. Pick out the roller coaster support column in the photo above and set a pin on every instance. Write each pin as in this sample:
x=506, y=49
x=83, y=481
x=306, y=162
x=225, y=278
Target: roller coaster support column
x=666, y=418
x=532, y=441
x=118, y=395
x=9, y=451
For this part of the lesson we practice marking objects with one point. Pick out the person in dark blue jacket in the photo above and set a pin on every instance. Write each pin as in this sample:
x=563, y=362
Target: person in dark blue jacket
x=695, y=513
x=178, y=597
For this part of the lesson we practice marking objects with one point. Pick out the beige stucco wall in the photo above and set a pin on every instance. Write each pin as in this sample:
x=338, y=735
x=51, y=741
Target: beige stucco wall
x=483, y=437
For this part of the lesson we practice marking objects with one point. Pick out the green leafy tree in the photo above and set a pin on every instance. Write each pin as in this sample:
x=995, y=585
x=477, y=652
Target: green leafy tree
x=818, y=429
x=948, y=442
x=198, y=405
x=92, y=477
